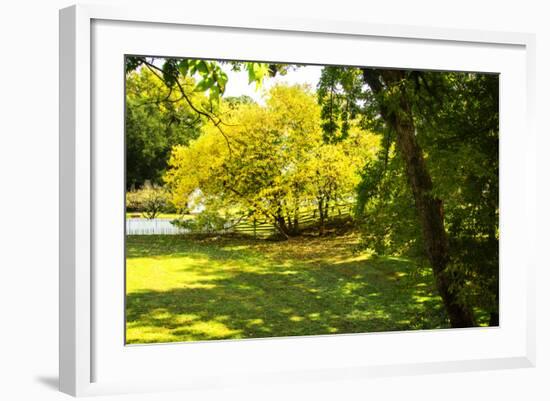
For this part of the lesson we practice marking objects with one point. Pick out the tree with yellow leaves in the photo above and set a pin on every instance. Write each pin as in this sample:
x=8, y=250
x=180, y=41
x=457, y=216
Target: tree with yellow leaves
x=272, y=162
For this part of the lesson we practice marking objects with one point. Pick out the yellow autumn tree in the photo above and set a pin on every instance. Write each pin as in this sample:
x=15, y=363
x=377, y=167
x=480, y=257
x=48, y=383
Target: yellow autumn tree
x=269, y=162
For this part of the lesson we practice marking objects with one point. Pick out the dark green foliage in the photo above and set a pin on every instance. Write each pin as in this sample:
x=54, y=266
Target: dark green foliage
x=131, y=63
x=456, y=121
x=154, y=123
x=386, y=211
x=340, y=94
x=211, y=76
x=463, y=132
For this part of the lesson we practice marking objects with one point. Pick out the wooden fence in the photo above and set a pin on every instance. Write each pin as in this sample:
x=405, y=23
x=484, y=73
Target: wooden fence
x=306, y=219
x=256, y=228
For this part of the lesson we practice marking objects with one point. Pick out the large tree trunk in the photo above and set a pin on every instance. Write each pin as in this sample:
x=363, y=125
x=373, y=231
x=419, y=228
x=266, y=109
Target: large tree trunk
x=429, y=208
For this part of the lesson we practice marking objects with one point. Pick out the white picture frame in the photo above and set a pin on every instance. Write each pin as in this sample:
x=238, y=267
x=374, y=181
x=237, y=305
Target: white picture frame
x=90, y=361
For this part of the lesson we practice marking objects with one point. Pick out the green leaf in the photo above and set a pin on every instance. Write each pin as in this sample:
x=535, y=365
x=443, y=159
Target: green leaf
x=251, y=75
x=169, y=72
x=205, y=84
x=183, y=67
x=221, y=78
x=193, y=67
x=202, y=67
x=257, y=72
x=214, y=94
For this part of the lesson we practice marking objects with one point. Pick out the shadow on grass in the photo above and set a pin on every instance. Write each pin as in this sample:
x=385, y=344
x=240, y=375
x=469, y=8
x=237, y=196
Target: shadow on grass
x=272, y=290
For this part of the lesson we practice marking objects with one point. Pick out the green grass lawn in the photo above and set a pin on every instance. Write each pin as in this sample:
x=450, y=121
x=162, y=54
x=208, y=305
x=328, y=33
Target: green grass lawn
x=190, y=289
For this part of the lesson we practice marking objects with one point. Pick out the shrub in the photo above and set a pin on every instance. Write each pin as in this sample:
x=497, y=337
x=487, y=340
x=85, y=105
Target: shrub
x=149, y=201
x=204, y=222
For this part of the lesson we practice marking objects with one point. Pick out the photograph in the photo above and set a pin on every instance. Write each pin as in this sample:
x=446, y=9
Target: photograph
x=272, y=199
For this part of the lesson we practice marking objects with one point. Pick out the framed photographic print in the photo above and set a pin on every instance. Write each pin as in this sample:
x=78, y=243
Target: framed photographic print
x=288, y=200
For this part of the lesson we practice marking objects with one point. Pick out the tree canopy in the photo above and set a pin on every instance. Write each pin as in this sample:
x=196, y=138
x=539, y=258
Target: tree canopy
x=167, y=102
x=274, y=163
x=155, y=121
x=440, y=157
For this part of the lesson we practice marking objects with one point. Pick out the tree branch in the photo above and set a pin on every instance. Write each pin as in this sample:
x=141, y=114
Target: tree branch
x=155, y=70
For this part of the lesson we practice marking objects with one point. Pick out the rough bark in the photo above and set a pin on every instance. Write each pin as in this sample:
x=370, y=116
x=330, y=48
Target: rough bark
x=429, y=208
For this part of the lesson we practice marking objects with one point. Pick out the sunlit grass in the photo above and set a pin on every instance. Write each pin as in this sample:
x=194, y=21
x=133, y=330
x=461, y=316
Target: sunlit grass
x=190, y=289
